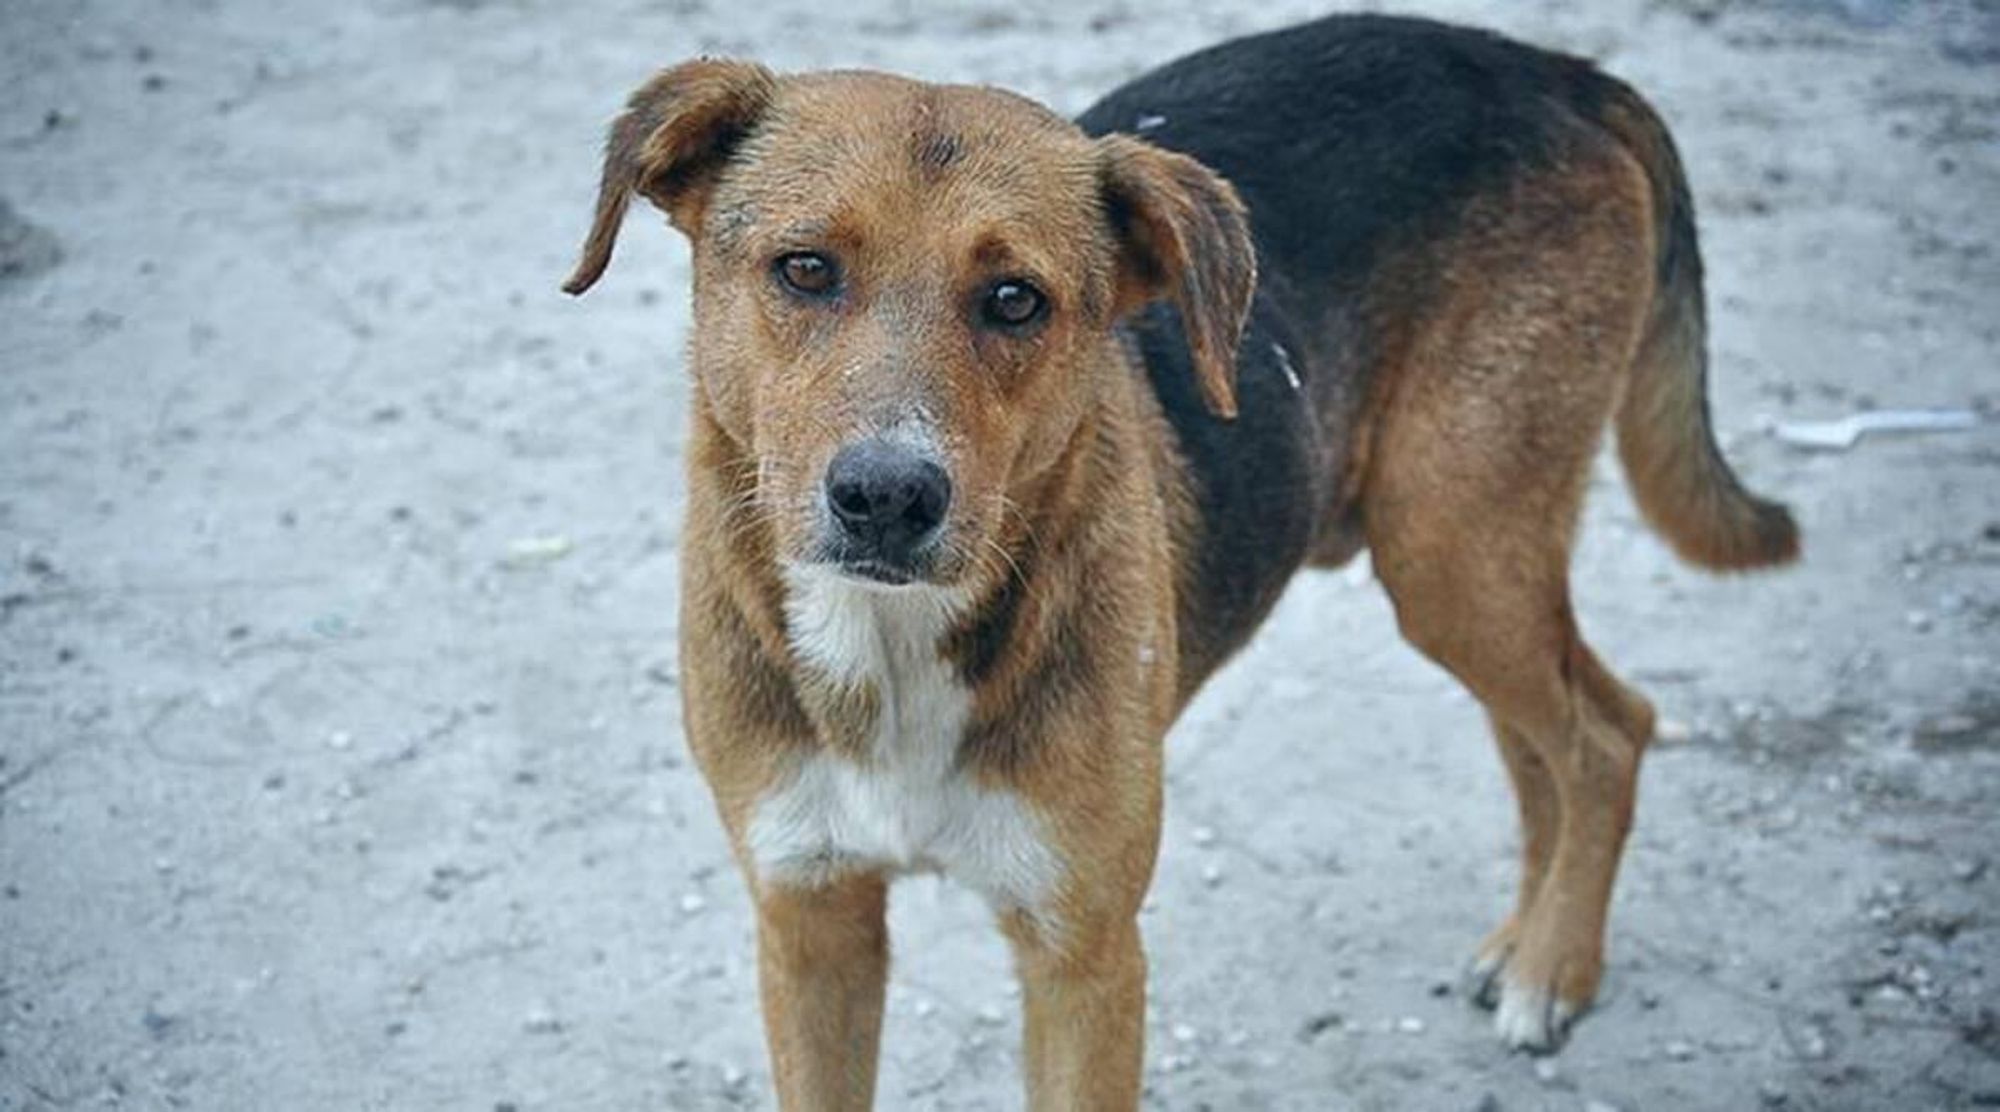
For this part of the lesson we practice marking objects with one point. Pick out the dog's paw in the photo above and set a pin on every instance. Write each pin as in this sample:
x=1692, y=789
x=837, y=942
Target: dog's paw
x=1535, y=990
x=1531, y=1018
x=1483, y=977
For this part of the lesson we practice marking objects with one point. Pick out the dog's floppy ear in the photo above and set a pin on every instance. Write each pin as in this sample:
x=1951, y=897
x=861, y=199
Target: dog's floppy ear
x=1182, y=233
x=676, y=132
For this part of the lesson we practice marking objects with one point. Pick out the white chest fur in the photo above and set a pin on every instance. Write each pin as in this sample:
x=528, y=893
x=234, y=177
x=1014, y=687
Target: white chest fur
x=908, y=807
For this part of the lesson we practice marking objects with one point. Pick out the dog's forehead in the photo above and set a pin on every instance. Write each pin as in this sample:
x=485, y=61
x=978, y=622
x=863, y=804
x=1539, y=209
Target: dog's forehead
x=835, y=138
x=865, y=106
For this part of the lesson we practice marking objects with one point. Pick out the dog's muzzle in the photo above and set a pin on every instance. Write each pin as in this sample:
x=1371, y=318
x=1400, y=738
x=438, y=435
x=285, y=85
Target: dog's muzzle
x=888, y=502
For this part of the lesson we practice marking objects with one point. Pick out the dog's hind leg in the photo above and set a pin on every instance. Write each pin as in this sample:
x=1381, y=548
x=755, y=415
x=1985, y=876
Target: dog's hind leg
x=1483, y=446
x=1491, y=605
x=1536, y=799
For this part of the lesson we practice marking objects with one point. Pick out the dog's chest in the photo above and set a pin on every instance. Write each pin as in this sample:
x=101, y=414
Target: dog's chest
x=903, y=804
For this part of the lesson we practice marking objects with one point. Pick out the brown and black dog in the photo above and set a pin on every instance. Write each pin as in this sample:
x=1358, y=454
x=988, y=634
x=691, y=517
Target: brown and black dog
x=1008, y=430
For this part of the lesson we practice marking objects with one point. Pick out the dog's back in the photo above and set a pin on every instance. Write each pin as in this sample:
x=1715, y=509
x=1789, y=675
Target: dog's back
x=1359, y=144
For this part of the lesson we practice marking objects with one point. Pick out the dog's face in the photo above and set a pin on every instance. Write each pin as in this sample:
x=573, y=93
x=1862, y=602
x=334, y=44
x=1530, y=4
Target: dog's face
x=905, y=295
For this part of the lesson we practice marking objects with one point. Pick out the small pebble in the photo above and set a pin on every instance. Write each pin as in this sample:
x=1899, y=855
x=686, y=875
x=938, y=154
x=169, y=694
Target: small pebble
x=1183, y=1033
x=1211, y=875
x=693, y=903
x=1204, y=835
x=1545, y=1071
x=1410, y=1025
x=1772, y=1094
x=1680, y=1050
x=1317, y=1025
x=157, y=1023
x=1672, y=731
x=532, y=551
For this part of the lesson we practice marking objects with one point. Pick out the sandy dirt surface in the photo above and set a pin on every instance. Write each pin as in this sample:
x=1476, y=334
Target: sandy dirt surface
x=340, y=765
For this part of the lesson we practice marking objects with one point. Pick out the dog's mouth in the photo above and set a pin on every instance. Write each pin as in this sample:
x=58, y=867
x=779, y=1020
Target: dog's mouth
x=881, y=560
x=869, y=565
x=878, y=572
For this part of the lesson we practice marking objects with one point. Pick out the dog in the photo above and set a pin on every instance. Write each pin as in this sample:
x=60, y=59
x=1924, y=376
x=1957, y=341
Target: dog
x=1008, y=430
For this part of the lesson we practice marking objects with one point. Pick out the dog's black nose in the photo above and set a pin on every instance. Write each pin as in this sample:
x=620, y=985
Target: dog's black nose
x=887, y=497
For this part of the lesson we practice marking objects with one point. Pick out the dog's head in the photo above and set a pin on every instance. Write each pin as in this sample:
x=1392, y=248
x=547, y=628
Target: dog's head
x=905, y=293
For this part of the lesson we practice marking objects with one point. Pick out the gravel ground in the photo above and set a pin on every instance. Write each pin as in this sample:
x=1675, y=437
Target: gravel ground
x=339, y=756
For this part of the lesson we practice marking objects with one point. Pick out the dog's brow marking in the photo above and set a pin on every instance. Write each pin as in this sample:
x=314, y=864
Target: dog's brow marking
x=1148, y=123
x=807, y=233
x=733, y=222
x=938, y=150
x=908, y=806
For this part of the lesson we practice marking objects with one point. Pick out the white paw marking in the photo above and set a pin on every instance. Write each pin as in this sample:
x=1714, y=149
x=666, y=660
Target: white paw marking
x=1529, y=1018
x=908, y=807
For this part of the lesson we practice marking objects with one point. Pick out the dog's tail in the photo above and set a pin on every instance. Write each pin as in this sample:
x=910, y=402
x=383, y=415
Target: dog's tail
x=1683, y=485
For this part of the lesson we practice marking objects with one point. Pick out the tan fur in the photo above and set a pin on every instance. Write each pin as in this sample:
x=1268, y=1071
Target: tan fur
x=1682, y=484
x=1071, y=524
x=1041, y=440
x=1471, y=500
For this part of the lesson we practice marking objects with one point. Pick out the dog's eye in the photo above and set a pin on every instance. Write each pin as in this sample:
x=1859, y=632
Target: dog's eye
x=1012, y=303
x=808, y=273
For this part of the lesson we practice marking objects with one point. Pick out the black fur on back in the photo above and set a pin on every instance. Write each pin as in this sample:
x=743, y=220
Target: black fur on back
x=1355, y=140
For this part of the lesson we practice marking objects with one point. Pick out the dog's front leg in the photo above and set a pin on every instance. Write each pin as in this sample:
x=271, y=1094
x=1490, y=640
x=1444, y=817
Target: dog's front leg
x=822, y=960
x=1084, y=994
